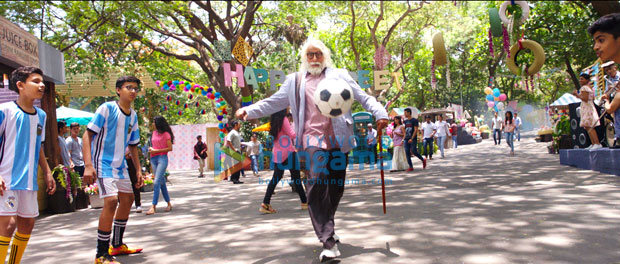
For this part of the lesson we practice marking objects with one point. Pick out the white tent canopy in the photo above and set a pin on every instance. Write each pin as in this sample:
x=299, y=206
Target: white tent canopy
x=71, y=115
x=566, y=99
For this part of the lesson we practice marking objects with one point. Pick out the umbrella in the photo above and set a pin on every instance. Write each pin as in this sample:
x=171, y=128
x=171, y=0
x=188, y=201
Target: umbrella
x=263, y=127
x=71, y=115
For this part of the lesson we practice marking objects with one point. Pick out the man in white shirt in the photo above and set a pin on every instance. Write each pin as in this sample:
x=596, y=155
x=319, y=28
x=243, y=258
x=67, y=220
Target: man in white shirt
x=254, y=150
x=517, y=121
x=442, y=128
x=497, y=129
x=371, y=140
x=428, y=128
x=611, y=75
x=233, y=141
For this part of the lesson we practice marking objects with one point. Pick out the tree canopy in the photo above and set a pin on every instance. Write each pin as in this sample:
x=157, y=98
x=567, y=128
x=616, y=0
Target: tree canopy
x=176, y=40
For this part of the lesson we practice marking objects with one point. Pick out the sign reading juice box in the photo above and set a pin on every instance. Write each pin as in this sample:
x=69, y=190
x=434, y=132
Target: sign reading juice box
x=17, y=45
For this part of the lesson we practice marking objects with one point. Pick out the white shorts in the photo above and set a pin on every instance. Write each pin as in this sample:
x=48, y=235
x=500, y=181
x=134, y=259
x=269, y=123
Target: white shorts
x=22, y=203
x=111, y=186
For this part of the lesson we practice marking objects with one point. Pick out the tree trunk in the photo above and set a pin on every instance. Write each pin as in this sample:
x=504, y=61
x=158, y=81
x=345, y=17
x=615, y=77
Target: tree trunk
x=604, y=7
x=570, y=71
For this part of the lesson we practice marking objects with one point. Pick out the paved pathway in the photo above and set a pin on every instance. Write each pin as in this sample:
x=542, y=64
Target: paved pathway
x=478, y=205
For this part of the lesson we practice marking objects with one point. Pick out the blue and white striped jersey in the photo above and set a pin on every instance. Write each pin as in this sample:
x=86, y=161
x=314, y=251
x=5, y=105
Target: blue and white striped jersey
x=21, y=134
x=114, y=130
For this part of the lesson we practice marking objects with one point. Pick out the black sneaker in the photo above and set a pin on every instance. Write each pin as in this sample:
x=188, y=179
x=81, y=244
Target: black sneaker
x=237, y=182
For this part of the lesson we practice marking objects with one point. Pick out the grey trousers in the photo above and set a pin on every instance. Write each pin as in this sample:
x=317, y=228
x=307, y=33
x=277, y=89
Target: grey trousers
x=326, y=172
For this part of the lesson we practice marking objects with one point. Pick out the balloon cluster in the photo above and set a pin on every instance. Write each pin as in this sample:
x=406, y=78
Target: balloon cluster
x=495, y=99
x=216, y=97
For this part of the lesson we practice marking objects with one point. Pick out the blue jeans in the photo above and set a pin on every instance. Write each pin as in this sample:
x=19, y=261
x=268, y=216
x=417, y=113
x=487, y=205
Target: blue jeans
x=160, y=163
x=498, y=133
x=412, y=148
x=254, y=163
x=454, y=141
x=517, y=133
x=428, y=142
x=440, y=143
x=510, y=140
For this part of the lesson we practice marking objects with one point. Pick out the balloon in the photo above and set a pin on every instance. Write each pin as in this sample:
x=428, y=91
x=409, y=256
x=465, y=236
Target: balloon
x=169, y=83
x=219, y=117
x=225, y=120
x=172, y=87
x=181, y=82
x=175, y=82
x=496, y=92
x=168, y=98
x=185, y=106
x=502, y=97
x=489, y=97
x=209, y=95
x=210, y=90
x=165, y=108
x=190, y=96
x=221, y=134
x=223, y=102
x=202, y=112
x=180, y=113
x=157, y=83
x=177, y=102
x=217, y=94
x=197, y=104
x=495, y=108
x=500, y=105
x=166, y=87
x=220, y=125
x=490, y=104
x=224, y=112
x=488, y=90
x=204, y=93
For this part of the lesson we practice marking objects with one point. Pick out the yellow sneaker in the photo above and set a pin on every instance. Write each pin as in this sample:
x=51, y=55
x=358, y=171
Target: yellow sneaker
x=106, y=259
x=304, y=206
x=123, y=250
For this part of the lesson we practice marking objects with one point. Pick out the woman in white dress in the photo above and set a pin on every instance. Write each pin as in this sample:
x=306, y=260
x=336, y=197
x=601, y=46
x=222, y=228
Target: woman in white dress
x=399, y=158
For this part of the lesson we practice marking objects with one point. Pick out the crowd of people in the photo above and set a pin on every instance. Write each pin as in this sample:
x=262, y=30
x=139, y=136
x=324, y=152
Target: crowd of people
x=109, y=145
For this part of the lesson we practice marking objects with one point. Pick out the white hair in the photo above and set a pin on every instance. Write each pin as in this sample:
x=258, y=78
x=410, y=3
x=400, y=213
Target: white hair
x=327, y=61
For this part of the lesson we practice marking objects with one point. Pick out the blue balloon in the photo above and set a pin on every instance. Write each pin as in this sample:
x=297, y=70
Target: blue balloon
x=217, y=95
x=495, y=108
x=496, y=92
x=489, y=97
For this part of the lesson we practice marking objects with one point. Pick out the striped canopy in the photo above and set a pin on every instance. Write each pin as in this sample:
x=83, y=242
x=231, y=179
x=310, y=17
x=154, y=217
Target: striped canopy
x=566, y=99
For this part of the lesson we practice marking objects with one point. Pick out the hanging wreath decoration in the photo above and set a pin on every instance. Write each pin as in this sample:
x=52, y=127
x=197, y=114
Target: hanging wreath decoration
x=537, y=51
x=524, y=8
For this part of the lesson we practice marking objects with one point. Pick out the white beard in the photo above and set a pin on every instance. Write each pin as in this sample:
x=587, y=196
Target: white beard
x=314, y=68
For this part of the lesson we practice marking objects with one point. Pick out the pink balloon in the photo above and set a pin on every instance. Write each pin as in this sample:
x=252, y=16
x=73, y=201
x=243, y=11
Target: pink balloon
x=502, y=97
x=157, y=83
x=490, y=104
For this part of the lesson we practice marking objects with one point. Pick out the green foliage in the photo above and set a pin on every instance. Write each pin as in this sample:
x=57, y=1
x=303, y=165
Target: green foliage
x=562, y=127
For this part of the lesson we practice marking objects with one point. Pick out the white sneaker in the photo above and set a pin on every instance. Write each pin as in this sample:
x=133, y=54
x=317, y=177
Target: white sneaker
x=589, y=147
x=336, y=237
x=329, y=254
x=138, y=209
x=597, y=146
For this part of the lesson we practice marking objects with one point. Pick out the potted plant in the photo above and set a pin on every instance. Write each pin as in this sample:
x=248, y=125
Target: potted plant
x=148, y=183
x=561, y=135
x=93, y=193
x=67, y=184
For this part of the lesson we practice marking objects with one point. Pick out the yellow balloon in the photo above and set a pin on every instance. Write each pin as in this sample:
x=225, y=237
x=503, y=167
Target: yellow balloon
x=488, y=90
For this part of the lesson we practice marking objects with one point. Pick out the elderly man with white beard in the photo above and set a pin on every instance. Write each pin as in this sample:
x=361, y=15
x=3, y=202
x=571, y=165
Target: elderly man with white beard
x=324, y=142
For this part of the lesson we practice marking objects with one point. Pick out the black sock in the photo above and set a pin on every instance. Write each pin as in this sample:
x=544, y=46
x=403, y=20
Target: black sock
x=103, y=242
x=119, y=229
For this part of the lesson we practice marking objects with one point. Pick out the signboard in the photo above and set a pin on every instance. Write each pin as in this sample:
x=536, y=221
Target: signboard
x=17, y=45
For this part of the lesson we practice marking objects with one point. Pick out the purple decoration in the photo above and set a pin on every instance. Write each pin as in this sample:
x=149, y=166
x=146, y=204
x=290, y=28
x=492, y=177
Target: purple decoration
x=506, y=41
x=491, y=43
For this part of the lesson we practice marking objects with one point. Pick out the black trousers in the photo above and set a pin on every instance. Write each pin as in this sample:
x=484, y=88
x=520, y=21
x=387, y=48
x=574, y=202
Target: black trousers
x=292, y=165
x=325, y=187
x=134, y=179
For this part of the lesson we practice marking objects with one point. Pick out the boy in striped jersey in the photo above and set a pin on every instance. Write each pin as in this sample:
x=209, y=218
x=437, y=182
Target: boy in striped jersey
x=21, y=133
x=112, y=129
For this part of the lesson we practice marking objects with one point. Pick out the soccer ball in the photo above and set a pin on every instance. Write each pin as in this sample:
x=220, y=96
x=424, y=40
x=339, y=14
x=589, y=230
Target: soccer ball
x=333, y=97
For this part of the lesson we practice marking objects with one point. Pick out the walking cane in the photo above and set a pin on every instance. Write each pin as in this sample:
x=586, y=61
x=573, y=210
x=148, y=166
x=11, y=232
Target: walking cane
x=380, y=136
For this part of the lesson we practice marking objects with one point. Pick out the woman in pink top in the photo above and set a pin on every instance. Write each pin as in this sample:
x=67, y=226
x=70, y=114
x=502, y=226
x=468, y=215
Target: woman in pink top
x=509, y=129
x=161, y=140
x=399, y=158
x=284, y=158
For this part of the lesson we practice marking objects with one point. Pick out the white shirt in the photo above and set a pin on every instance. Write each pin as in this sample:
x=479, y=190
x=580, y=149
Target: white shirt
x=518, y=122
x=115, y=130
x=441, y=128
x=497, y=122
x=428, y=129
x=21, y=134
x=253, y=147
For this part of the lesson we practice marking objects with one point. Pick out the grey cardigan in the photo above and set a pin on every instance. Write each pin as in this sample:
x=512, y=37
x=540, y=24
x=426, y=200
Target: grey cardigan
x=342, y=125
